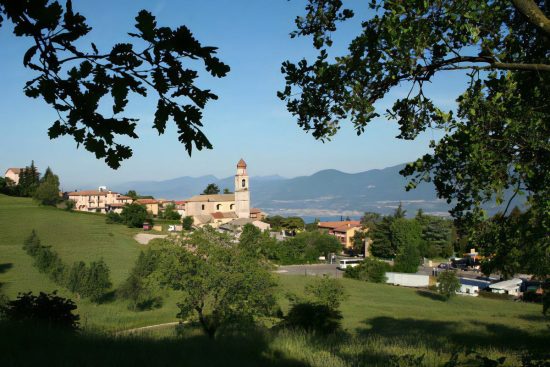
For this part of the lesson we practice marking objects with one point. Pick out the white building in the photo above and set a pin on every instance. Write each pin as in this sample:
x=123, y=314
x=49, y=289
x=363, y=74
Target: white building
x=511, y=287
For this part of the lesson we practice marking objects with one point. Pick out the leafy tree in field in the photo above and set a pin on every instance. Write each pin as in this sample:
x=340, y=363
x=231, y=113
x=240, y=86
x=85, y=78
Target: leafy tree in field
x=140, y=287
x=98, y=281
x=436, y=235
x=47, y=309
x=187, y=223
x=69, y=205
x=220, y=284
x=133, y=215
x=75, y=77
x=113, y=217
x=47, y=192
x=226, y=191
x=77, y=276
x=211, y=189
x=495, y=140
x=170, y=212
x=370, y=270
x=326, y=291
x=448, y=284
x=250, y=238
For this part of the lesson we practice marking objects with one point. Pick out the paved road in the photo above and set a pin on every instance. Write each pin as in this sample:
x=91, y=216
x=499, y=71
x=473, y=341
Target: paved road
x=315, y=269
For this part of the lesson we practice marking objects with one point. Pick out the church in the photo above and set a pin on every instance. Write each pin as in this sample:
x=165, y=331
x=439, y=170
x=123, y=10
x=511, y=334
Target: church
x=219, y=209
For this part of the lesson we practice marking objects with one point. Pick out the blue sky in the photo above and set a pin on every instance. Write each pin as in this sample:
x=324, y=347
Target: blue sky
x=247, y=121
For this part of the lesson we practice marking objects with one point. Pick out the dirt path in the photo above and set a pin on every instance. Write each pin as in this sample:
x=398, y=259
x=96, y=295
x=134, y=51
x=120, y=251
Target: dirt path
x=149, y=327
x=144, y=238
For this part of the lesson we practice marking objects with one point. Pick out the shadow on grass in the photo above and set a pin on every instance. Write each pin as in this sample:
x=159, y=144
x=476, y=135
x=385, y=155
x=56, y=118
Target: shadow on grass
x=431, y=295
x=31, y=345
x=440, y=335
x=5, y=267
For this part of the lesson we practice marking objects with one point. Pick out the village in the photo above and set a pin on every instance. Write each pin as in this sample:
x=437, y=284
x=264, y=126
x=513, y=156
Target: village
x=230, y=212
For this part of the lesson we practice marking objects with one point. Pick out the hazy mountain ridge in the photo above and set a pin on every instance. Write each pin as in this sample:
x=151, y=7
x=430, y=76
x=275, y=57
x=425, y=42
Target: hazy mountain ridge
x=324, y=194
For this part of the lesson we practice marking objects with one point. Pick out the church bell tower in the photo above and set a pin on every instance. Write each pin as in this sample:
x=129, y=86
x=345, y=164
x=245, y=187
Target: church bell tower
x=242, y=192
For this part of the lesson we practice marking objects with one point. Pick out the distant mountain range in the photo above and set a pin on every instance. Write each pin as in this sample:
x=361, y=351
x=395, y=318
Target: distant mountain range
x=325, y=194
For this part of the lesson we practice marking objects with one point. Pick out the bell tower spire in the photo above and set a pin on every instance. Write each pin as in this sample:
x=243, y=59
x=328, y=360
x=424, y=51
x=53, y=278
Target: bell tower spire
x=242, y=192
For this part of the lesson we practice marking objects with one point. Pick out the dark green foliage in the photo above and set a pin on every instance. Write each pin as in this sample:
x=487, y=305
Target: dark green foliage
x=46, y=309
x=313, y=226
x=133, y=194
x=370, y=270
x=139, y=289
x=448, y=284
x=495, y=144
x=29, y=179
x=380, y=235
x=47, y=192
x=98, y=281
x=211, y=189
x=313, y=317
x=77, y=277
x=112, y=218
x=133, y=215
x=45, y=259
x=75, y=79
x=358, y=242
x=546, y=296
x=436, y=235
x=408, y=259
x=187, y=223
x=170, y=213
x=503, y=239
x=279, y=223
x=305, y=247
x=69, y=205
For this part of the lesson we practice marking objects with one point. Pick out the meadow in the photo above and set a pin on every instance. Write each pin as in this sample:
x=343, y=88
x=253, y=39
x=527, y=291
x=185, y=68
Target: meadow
x=380, y=322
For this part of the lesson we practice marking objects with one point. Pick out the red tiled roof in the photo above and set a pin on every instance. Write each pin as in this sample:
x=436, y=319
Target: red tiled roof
x=241, y=164
x=255, y=211
x=88, y=193
x=217, y=215
x=222, y=215
x=122, y=197
x=180, y=202
x=146, y=201
x=340, y=226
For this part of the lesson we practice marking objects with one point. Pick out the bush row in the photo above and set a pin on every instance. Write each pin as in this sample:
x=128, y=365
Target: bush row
x=88, y=281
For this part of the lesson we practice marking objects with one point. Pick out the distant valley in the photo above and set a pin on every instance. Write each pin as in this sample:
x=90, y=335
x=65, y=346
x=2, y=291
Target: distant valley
x=325, y=194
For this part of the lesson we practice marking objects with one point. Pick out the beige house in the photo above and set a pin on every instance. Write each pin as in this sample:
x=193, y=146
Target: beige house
x=342, y=230
x=13, y=174
x=151, y=205
x=99, y=201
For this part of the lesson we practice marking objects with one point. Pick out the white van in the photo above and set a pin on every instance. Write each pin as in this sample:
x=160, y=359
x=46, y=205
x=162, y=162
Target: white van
x=344, y=263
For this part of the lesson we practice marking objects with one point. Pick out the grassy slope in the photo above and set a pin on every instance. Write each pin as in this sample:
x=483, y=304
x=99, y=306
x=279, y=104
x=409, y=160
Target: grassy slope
x=75, y=236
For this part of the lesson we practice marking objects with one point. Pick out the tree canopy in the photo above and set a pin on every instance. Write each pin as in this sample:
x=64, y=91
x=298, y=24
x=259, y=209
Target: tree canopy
x=211, y=189
x=495, y=144
x=77, y=79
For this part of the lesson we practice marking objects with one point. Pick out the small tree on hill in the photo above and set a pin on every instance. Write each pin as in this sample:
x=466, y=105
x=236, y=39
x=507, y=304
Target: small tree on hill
x=98, y=281
x=171, y=213
x=77, y=276
x=187, y=223
x=211, y=189
x=133, y=215
x=29, y=179
x=47, y=192
x=448, y=284
x=326, y=291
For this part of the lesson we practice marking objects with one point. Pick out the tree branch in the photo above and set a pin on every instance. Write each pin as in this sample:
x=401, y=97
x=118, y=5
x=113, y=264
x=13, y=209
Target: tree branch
x=533, y=14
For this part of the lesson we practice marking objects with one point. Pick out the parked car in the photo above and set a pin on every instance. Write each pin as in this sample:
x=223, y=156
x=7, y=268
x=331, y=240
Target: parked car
x=444, y=266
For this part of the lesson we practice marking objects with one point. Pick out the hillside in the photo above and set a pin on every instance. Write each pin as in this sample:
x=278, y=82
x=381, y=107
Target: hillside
x=75, y=236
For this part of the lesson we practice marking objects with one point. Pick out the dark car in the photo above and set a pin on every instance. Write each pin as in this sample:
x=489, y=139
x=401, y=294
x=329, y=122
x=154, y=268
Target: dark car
x=444, y=266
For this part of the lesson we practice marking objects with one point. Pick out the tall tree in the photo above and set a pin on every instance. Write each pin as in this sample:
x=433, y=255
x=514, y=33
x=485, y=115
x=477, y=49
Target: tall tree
x=211, y=189
x=495, y=141
x=29, y=179
x=47, y=192
x=76, y=80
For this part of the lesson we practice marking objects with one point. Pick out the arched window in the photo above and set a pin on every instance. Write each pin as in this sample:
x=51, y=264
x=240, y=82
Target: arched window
x=231, y=206
x=244, y=182
x=202, y=206
x=218, y=207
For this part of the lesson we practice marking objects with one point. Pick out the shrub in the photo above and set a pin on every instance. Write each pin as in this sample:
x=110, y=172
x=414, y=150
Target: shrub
x=313, y=317
x=138, y=288
x=48, y=309
x=170, y=213
x=370, y=270
x=448, y=284
x=133, y=215
x=187, y=223
x=326, y=291
x=113, y=217
x=69, y=205
x=97, y=282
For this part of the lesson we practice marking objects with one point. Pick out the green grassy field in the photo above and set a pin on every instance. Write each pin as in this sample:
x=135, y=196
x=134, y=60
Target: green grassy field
x=379, y=321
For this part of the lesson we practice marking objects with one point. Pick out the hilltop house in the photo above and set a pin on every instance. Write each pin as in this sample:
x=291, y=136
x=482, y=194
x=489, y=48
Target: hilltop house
x=342, y=230
x=151, y=205
x=13, y=174
x=99, y=201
